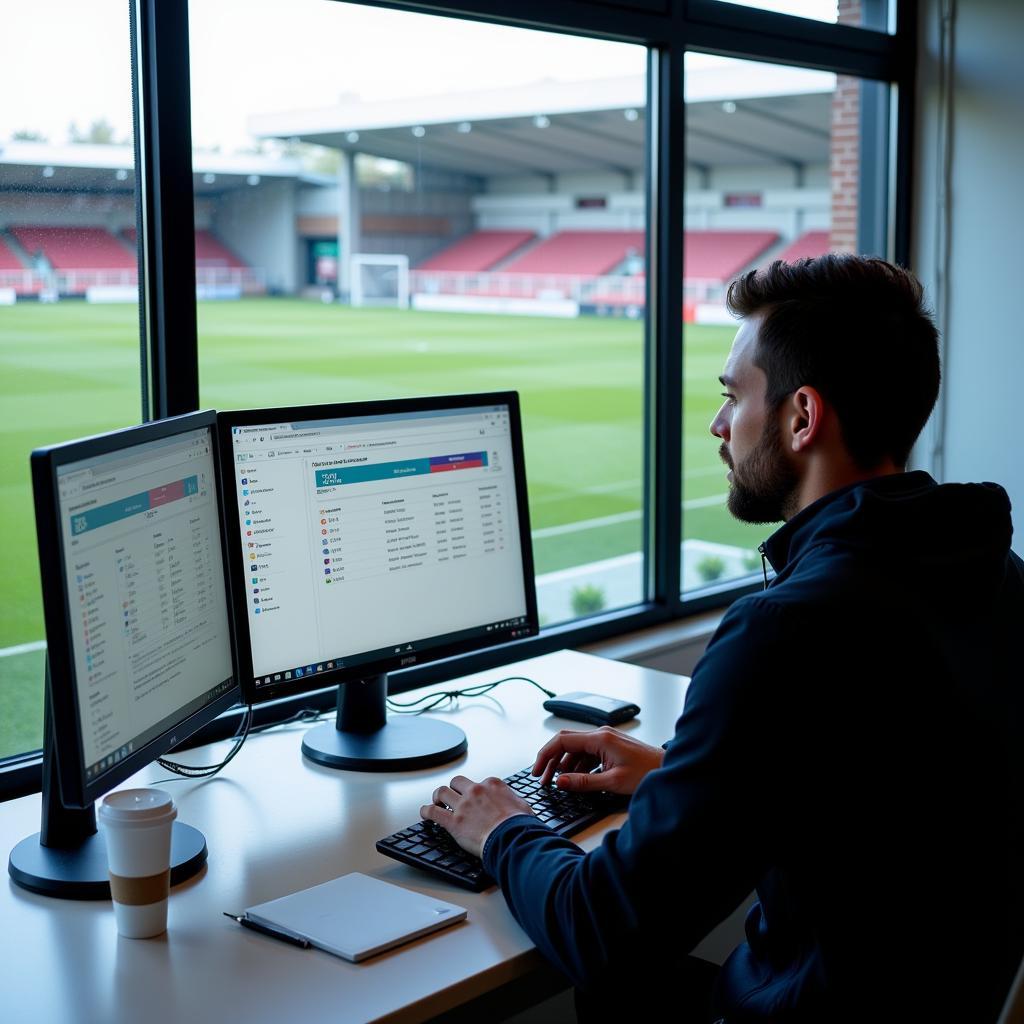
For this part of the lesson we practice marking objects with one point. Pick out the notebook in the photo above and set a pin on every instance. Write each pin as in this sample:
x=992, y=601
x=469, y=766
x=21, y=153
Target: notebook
x=356, y=916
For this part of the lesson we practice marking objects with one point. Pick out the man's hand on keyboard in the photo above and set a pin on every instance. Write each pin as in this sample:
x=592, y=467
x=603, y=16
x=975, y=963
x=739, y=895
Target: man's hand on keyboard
x=470, y=810
x=574, y=755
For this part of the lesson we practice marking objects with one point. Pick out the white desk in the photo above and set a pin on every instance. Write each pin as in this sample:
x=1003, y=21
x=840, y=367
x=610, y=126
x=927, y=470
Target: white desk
x=275, y=823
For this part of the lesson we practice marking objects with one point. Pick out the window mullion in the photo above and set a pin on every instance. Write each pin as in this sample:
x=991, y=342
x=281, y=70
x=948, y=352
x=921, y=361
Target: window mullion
x=166, y=232
x=663, y=395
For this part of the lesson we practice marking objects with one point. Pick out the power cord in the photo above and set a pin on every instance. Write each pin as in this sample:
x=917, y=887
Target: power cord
x=447, y=696
x=245, y=728
x=305, y=715
x=207, y=771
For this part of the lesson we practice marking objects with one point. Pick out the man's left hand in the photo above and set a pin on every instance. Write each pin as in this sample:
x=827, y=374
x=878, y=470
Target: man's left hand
x=470, y=810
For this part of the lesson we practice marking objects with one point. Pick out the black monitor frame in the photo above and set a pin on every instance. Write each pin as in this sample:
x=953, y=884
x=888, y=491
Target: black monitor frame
x=391, y=661
x=75, y=789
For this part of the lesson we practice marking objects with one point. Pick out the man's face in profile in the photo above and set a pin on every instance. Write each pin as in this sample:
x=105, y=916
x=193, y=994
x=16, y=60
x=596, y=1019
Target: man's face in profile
x=762, y=479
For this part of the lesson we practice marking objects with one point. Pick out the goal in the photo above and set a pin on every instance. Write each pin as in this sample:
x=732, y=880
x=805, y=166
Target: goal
x=380, y=279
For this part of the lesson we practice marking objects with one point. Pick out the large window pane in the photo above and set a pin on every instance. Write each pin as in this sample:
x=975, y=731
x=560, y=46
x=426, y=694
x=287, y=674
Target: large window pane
x=399, y=205
x=69, y=318
x=782, y=163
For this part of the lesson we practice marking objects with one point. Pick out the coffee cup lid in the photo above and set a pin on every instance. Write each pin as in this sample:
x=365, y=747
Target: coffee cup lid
x=137, y=807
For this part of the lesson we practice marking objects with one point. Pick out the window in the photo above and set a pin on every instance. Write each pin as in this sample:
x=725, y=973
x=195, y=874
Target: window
x=69, y=315
x=391, y=203
x=474, y=222
x=782, y=163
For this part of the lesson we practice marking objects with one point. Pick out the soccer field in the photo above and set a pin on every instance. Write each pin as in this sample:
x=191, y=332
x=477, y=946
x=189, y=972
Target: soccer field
x=72, y=369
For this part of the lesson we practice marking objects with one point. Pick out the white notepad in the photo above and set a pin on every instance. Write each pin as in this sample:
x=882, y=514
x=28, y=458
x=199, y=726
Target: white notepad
x=356, y=916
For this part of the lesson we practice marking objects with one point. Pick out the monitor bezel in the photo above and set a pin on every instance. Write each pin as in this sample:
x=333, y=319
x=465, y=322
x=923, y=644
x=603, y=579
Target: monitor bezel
x=392, y=662
x=76, y=790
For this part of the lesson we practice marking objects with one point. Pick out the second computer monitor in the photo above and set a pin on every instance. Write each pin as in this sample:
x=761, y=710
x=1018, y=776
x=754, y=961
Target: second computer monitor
x=374, y=536
x=138, y=631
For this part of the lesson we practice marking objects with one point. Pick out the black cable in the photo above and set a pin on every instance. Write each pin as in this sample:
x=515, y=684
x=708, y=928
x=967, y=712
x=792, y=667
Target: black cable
x=190, y=771
x=443, y=696
x=186, y=771
x=303, y=715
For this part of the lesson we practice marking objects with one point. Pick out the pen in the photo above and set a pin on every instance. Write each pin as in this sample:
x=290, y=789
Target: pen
x=272, y=932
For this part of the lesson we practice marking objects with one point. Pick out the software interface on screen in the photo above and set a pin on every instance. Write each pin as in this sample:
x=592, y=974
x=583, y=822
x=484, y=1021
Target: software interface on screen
x=376, y=535
x=145, y=585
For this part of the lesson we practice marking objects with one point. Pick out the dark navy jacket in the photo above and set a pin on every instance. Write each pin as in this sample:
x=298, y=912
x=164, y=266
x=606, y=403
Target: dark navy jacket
x=852, y=747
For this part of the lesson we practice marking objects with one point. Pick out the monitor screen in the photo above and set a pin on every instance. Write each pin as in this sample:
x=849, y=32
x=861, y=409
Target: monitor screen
x=141, y=579
x=378, y=535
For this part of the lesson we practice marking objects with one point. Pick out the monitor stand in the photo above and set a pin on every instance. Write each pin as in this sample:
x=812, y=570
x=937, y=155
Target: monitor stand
x=67, y=857
x=363, y=739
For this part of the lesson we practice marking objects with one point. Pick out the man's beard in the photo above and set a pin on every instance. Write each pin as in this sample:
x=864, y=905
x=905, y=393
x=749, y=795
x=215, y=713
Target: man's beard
x=764, y=484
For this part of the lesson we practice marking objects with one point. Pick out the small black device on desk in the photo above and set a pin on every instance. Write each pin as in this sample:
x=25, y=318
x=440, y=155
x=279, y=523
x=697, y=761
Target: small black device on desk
x=594, y=708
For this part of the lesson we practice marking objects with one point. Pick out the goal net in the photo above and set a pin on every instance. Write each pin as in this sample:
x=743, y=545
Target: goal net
x=380, y=280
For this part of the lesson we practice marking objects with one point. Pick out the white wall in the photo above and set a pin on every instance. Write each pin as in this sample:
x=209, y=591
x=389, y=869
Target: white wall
x=755, y=177
x=789, y=211
x=520, y=202
x=317, y=201
x=984, y=336
x=545, y=214
x=259, y=225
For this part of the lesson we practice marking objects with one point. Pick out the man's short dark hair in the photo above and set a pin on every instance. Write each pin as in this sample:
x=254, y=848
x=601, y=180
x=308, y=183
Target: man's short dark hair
x=856, y=329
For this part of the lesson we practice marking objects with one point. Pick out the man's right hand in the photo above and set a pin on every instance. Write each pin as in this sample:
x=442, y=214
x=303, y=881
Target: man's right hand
x=624, y=760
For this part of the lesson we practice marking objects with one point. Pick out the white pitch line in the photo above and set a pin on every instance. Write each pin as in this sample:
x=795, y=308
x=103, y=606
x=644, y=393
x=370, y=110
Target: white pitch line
x=35, y=645
x=619, y=517
x=692, y=474
x=586, y=524
x=713, y=499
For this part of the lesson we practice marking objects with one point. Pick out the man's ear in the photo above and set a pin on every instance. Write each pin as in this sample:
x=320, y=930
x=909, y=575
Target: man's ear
x=806, y=416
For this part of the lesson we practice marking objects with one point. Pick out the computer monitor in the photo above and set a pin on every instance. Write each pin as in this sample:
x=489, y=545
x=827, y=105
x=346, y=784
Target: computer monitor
x=369, y=537
x=139, y=644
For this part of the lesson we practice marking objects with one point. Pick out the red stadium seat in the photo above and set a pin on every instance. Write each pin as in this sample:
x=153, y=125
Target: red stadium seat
x=8, y=261
x=721, y=255
x=75, y=248
x=810, y=243
x=478, y=251
x=210, y=250
x=579, y=253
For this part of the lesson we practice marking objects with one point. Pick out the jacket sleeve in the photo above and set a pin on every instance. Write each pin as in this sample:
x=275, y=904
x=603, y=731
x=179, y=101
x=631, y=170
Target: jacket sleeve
x=695, y=840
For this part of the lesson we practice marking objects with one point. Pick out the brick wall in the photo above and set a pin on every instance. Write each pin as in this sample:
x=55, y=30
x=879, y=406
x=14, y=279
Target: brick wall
x=845, y=148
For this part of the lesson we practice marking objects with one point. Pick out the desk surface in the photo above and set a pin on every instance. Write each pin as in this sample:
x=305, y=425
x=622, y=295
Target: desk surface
x=276, y=823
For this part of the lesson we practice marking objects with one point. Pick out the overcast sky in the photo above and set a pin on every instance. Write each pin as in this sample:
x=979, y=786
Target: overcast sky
x=68, y=60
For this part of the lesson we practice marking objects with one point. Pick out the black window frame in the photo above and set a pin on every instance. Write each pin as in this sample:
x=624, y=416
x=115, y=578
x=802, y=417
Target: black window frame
x=668, y=28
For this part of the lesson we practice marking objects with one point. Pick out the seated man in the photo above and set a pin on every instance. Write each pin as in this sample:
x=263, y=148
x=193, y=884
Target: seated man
x=852, y=742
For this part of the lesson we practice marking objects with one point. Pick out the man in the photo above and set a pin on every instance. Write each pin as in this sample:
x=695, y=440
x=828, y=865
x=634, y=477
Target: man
x=852, y=741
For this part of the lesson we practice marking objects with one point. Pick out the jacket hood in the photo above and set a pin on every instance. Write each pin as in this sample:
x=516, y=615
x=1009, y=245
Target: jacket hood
x=947, y=531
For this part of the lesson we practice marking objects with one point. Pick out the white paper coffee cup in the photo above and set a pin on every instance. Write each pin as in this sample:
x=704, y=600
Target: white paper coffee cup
x=136, y=825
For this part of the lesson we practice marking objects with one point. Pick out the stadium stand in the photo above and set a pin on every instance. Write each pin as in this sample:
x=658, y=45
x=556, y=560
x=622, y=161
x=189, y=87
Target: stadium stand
x=478, y=251
x=720, y=255
x=595, y=267
x=8, y=260
x=810, y=243
x=75, y=248
x=212, y=252
x=580, y=253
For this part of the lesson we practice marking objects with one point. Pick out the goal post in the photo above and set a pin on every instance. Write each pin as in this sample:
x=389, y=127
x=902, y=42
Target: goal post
x=379, y=279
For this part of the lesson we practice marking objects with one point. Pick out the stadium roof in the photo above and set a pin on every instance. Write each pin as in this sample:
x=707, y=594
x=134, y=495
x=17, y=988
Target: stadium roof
x=741, y=113
x=82, y=167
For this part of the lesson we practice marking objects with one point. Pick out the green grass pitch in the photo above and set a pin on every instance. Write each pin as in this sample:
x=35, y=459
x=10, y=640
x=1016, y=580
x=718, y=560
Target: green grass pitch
x=71, y=369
